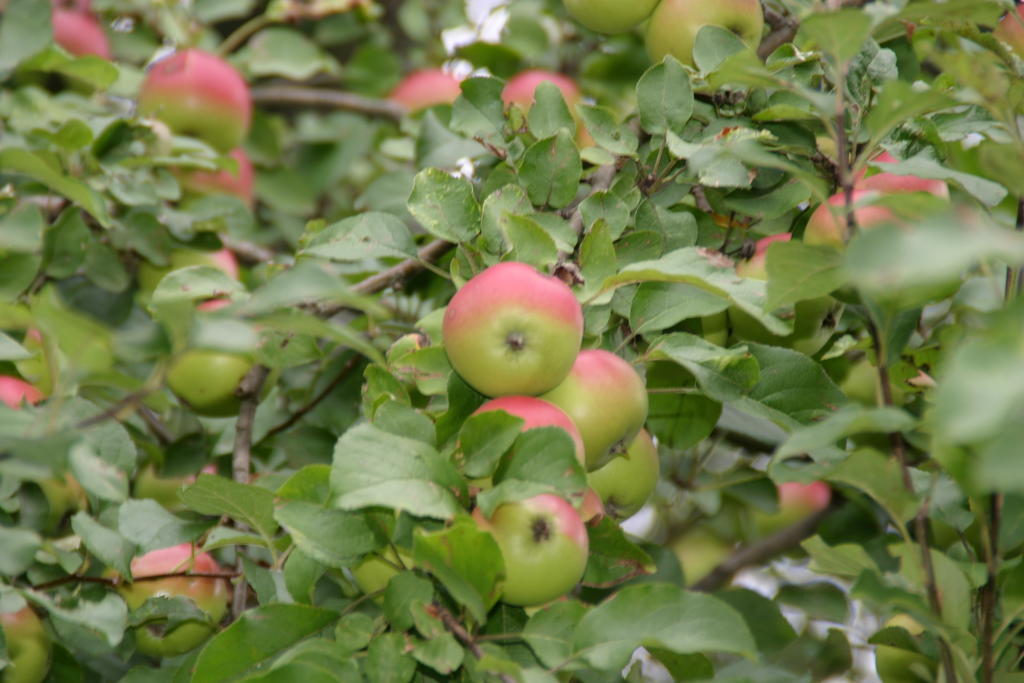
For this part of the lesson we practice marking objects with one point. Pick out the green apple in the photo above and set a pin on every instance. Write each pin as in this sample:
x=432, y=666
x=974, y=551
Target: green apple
x=699, y=551
x=197, y=93
x=28, y=647
x=544, y=544
x=673, y=27
x=628, y=481
x=426, y=88
x=534, y=413
x=610, y=16
x=715, y=328
x=206, y=380
x=374, y=573
x=796, y=502
x=150, y=275
x=896, y=665
x=63, y=495
x=607, y=400
x=512, y=330
x=164, y=490
x=209, y=594
x=863, y=386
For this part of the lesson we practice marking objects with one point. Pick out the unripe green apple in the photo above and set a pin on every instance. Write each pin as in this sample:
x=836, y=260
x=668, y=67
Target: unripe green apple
x=1010, y=30
x=699, y=551
x=206, y=380
x=197, y=93
x=544, y=544
x=374, y=573
x=209, y=594
x=426, y=88
x=28, y=647
x=628, y=481
x=512, y=330
x=63, y=495
x=673, y=27
x=896, y=665
x=237, y=183
x=79, y=33
x=862, y=385
x=796, y=502
x=224, y=259
x=607, y=400
x=716, y=328
x=164, y=490
x=537, y=413
x=610, y=16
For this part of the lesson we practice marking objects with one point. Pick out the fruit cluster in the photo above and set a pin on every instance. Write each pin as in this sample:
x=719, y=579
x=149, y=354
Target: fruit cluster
x=514, y=335
x=672, y=25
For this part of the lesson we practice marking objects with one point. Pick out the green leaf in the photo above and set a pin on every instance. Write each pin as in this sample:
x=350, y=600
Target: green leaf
x=20, y=546
x=150, y=526
x=880, y=477
x=443, y=654
x=659, y=305
x=798, y=271
x=606, y=206
x=792, y=388
x=285, y=52
x=255, y=639
x=665, y=97
x=543, y=460
x=985, y=191
x=387, y=659
x=106, y=618
x=550, y=630
x=372, y=467
x=38, y=168
x=846, y=559
x=467, y=561
x=334, y=538
x=22, y=229
x=498, y=207
x=613, y=558
x=820, y=600
x=445, y=205
x=838, y=34
x=551, y=171
x=607, y=131
x=818, y=439
x=484, y=438
x=549, y=113
x=367, y=235
x=723, y=374
x=662, y=616
x=479, y=110
x=529, y=242
x=771, y=631
x=714, y=44
x=25, y=29
x=899, y=102
x=214, y=495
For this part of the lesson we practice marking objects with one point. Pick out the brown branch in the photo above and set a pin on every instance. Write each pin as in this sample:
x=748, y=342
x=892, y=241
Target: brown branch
x=115, y=581
x=345, y=371
x=249, y=252
x=783, y=29
x=702, y=199
x=990, y=591
x=762, y=551
x=461, y=634
x=156, y=427
x=128, y=403
x=338, y=99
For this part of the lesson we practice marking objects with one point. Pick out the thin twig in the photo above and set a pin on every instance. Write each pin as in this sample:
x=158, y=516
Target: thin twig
x=462, y=635
x=248, y=251
x=338, y=99
x=783, y=29
x=990, y=591
x=762, y=551
x=156, y=427
x=345, y=371
x=702, y=199
x=128, y=403
x=243, y=33
x=117, y=580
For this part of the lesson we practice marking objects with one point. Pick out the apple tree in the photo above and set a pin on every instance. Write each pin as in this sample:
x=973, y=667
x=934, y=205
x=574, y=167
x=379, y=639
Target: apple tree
x=349, y=340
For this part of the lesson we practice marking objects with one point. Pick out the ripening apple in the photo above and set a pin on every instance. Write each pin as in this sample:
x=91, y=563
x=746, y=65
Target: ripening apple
x=197, y=93
x=796, y=502
x=699, y=551
x=884, y=181
x=607, y=400
x=14, y=392
x=544, y=544
x=28, y=647
x=537, y=413
x=426, y=88
x=808, y=334
x=591, y=507
x=896, y=665
x=206, y=380
x=629, y=479
x=673, y=27
x=610, y=16
x=512, y=330
x=233, y=182
x=150, y=275
x=209, y=594
x=1010, y=30
x=79, y=33
x=520, y=91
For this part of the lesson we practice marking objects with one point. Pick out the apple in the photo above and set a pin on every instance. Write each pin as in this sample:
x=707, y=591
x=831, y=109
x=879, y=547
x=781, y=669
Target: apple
x=715, y=328
x=862, y=385
x=164, y=490
x=238, y=183
x=28, y=647
x=38, y=368
x=610, y=16
x=519, y=89
x=896, y=665
x=150, y=275
x=796, y=502
x=537, y=413
x=884, y=181
x=374, y=573
x=607, y=400
x=544, y=544
x=512, y=330
x=1010, y=30
x=209, y=594
x=197, y=93
x=15, y=392
x=79, y=33
x=591, y=507
x=808, y=326
x=426, y=88
x=63, y=495
x=699, y=551
x=673, y=27
x=206, y=380
x=628, y=480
